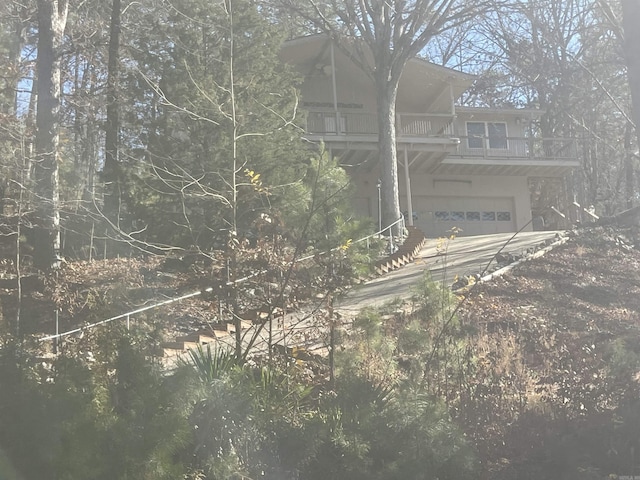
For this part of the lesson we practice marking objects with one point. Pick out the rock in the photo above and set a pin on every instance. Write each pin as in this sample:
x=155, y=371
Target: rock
x=461, y=282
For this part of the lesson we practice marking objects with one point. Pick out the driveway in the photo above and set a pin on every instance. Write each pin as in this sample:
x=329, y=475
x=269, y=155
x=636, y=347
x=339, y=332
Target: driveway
x=462, y=256
x=454, y=258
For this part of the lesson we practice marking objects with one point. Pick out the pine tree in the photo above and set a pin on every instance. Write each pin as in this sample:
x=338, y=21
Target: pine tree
x=197, y=129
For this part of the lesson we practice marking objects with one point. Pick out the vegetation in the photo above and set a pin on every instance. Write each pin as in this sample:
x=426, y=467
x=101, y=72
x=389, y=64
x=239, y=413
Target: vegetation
x=164, y=154
x=116, y=415
x=535, y=376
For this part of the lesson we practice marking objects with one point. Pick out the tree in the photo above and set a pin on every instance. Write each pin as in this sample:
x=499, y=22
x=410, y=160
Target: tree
x=111, y=171
x=83, y=104
x=390, y=33
x=224, y=171
x=381, y=420
x=631, y=17
x=211, y=98
x=563, y=58
x=14, y=20
x=52, y=19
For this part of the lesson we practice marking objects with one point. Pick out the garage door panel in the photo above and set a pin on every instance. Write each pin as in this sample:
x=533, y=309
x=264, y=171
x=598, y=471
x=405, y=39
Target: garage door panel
x=473, y=215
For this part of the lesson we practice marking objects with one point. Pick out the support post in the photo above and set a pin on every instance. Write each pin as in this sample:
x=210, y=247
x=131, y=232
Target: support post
x=379, y=185
x=407, y=179
x=335, y=89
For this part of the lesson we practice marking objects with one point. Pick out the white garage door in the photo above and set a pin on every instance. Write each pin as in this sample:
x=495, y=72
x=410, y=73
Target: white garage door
x=436, y=216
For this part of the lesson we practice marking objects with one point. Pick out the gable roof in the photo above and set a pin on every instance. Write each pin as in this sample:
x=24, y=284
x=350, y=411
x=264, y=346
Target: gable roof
x=422, y=82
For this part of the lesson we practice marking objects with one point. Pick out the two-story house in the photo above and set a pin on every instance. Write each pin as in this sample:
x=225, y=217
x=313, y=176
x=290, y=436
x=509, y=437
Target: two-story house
x=457, y=166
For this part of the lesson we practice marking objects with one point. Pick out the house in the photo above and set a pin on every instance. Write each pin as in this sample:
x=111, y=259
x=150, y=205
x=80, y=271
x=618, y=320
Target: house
x=461, y=167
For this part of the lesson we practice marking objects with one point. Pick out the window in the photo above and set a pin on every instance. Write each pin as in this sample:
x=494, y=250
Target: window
x=497, y=133
x=487, y=134
x=473, y=216
x=476, y=134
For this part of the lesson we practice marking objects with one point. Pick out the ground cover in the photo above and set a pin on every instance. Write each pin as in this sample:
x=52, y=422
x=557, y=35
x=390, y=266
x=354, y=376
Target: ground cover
x=552, y=377
x=557, y=342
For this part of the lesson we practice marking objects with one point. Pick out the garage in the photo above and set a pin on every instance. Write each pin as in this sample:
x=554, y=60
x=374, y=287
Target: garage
x=436, y=216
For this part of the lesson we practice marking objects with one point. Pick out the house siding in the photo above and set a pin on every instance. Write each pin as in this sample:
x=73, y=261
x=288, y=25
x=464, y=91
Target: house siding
x=469, y=191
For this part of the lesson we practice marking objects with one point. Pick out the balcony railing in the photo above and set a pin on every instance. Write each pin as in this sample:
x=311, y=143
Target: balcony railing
x=415, y=126
x=518, y=147
x=348, y=123
x=411, y=124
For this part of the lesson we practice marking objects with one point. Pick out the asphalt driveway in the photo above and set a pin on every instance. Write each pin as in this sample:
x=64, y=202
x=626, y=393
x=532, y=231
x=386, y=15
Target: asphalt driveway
x=462, y=256
x=454, y=258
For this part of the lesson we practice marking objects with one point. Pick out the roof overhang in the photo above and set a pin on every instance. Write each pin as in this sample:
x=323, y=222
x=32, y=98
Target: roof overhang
x=525, y=113
x=424, y=85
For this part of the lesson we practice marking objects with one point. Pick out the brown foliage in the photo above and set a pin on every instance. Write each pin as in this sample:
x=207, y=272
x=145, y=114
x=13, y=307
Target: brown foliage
x=549, y=358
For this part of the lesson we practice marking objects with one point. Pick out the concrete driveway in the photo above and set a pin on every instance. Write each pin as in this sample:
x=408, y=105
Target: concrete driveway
x=459, y=257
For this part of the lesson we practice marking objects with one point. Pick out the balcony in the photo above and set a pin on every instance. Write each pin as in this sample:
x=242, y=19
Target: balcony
x=436, y=145
x=418, y=126
x=544, y=157
x=517, y=148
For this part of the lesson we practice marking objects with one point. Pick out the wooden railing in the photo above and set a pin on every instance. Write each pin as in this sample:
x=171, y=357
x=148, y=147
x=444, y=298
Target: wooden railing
x=412, y=124
x=356, y=123
x=539, y=148
x=342, y=123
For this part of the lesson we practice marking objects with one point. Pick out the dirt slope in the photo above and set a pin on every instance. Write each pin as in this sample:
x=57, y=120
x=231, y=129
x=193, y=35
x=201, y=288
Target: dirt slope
x=557, y=341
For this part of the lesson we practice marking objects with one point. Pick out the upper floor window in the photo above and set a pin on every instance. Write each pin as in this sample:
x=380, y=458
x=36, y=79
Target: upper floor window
x=487, y=135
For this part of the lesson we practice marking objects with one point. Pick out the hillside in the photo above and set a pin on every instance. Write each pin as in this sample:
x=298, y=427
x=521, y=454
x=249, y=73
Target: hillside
x=549, y=383
x=557, y=340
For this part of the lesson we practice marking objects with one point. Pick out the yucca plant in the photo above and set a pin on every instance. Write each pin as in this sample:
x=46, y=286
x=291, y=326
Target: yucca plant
x=211, y=364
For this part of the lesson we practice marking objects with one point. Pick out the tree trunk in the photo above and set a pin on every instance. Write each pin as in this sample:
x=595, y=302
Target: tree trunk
x=390, y=204
x=629, y=189
x=52, y=18
x=630, y=22
x=111, y=177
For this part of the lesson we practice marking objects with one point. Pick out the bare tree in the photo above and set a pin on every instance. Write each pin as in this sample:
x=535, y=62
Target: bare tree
x=563, y=57
x=630, y=22
x=52, y=19
x=390, y=33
